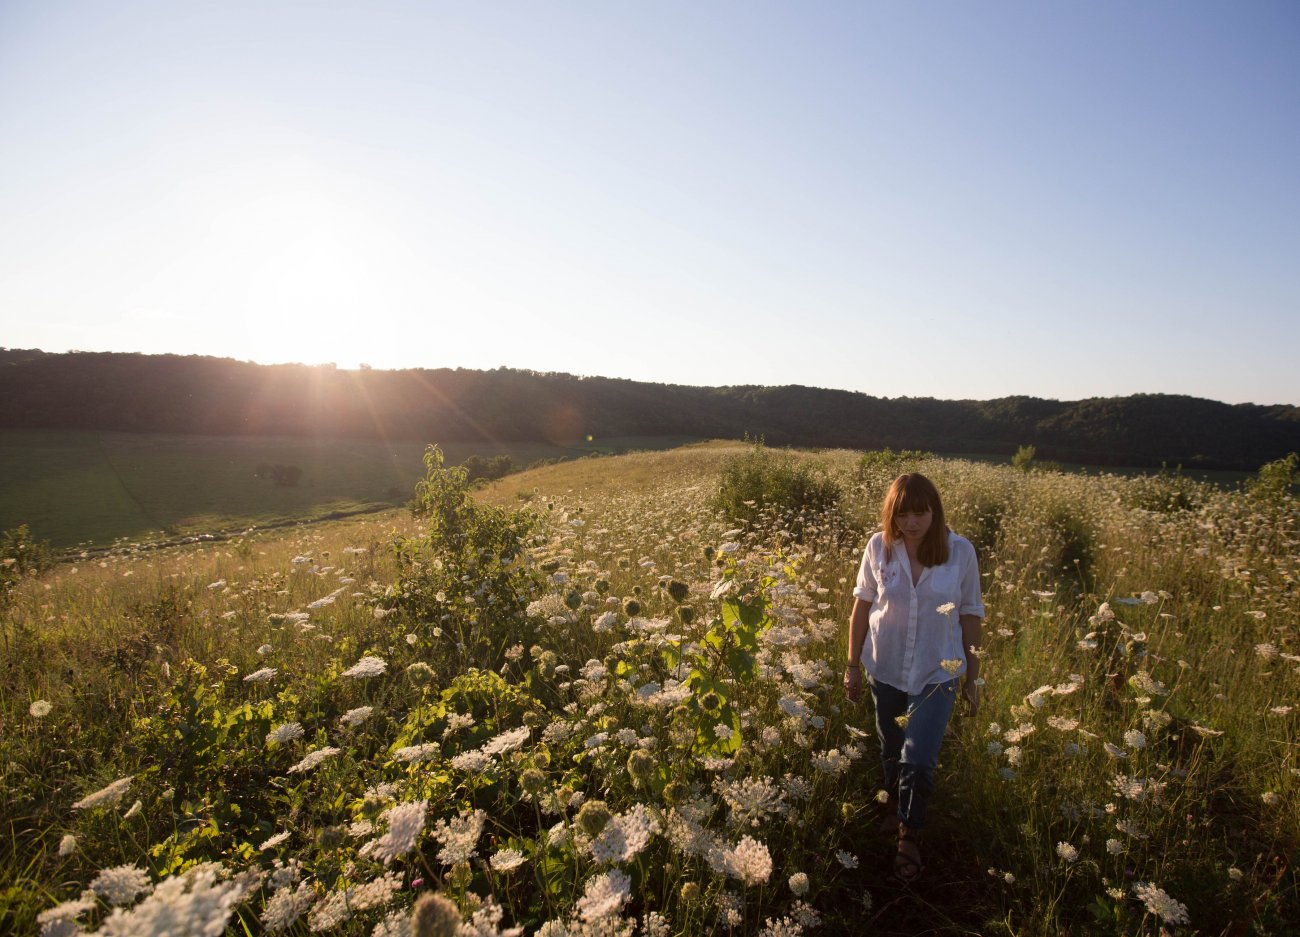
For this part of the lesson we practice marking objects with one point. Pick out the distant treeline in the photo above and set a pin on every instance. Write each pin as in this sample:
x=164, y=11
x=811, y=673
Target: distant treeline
x=220, y=396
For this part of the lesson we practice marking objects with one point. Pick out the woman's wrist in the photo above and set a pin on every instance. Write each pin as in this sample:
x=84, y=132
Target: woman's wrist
x=853, y=665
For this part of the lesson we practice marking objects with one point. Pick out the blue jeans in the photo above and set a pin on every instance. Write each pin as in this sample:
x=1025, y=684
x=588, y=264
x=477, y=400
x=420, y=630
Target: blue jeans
x=910, y=753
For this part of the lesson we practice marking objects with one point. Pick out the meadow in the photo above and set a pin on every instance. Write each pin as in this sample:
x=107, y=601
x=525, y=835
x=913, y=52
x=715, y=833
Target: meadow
x=92, y=488
x=595, y=699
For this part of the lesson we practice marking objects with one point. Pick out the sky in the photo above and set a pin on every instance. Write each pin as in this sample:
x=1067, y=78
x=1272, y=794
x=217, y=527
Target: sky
x=951, y=200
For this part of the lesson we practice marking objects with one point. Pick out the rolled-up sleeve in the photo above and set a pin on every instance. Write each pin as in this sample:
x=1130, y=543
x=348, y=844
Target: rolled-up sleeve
x=971, y=601
x=866, y=589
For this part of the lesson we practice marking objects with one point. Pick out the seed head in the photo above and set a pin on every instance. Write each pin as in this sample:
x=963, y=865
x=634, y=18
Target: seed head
x=435, y=916
x=641, y=765
x=594, y=817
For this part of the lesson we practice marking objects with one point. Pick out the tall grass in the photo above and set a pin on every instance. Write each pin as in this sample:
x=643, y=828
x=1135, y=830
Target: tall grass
x=699, y=770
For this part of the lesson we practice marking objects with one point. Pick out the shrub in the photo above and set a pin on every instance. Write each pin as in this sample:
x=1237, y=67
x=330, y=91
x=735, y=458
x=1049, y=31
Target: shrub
x=762, y=482
x=1275, y=478
x=468, y=571
x=21, y=555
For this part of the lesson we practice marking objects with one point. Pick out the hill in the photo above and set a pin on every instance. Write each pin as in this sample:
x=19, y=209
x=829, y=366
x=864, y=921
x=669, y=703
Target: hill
x=223, y=397
x=615, y=691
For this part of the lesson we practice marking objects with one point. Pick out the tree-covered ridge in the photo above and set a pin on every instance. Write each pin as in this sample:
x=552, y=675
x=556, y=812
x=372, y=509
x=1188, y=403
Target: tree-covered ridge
x=218, y=396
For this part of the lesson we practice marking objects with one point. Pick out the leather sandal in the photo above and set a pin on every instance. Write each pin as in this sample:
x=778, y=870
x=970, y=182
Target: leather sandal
x=907, y=861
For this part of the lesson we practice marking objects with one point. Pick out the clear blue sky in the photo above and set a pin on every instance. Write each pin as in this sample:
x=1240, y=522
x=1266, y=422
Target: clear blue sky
x=958, y=200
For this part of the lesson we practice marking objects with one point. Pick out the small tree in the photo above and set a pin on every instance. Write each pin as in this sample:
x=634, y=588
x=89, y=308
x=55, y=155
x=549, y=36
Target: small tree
x=469, y=571
x=1024, y=458
x=1275, y=478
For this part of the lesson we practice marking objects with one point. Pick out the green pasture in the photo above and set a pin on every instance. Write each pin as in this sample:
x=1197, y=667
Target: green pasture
x=73, y=487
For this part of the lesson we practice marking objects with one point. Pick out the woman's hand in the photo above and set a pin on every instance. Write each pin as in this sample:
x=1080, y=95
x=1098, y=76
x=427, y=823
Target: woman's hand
x=971, y=691
x=853, y=683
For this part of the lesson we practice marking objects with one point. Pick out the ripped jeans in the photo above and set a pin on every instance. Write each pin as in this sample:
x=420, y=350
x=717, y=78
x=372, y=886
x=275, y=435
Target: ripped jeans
x=910, y=753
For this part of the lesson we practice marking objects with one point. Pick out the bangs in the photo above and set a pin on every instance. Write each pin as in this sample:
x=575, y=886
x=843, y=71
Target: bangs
x=915, y=500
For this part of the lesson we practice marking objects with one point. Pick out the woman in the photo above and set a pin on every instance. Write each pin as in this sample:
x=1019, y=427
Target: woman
x=916, y=630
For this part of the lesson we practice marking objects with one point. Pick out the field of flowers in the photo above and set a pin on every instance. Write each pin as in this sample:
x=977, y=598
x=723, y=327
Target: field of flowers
x=588, y=701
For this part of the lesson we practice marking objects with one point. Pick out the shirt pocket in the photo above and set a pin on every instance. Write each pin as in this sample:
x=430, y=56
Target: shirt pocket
x=889, y=578
x=945, y=583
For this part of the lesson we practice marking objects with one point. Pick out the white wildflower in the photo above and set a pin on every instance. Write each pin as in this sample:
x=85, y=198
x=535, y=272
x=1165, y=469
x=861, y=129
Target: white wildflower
x=109, y=795
x=368, y=666
x=286, y=732
x=121, y=884
x=314, y=758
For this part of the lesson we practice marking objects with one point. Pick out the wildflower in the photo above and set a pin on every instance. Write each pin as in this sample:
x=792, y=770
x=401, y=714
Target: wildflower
x=121, y=884
x=507, y=741
x=1143, y=682
x=1161, y=904
x=624, y=836
x=749, y=861
x=414, y=754
x=1067, y=852
x=1271, y=798
x=472, y=762
x=1114, y=847
x=846, y=859
x=368, y=666
x=354, y=717
x=831, y=762
x=799, y=884
x=604, y=896
x=405, y=823
x=1235, y=873
x=264, y=650
x=459, y=836
x=952, y=666
x=1135, y=739
x=135, y=810
x=274, y=841
x=67, y=845
x=419, y=673
x=1114, y=750
x=265, y=675
x=1266, y=651
x=40, y=708
x=65, y=913
x=313, y=759
x=903, y=720
x=506, y=860
x=109, y=795
x=192, y=903
x=722, y=731
x=286, y=732
x=286, y=906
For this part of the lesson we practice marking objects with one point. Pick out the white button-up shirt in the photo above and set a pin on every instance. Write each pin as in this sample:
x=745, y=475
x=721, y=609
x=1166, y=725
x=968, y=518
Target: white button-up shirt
x=909, y=636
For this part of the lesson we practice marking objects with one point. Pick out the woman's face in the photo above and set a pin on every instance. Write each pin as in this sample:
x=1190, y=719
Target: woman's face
x=913, y=525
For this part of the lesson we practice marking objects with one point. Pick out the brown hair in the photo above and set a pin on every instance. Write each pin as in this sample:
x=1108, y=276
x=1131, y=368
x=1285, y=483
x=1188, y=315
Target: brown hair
x=914, y=492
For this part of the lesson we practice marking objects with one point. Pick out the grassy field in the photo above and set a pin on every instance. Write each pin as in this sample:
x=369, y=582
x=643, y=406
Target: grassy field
x=76, y=487
x=304, y=731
